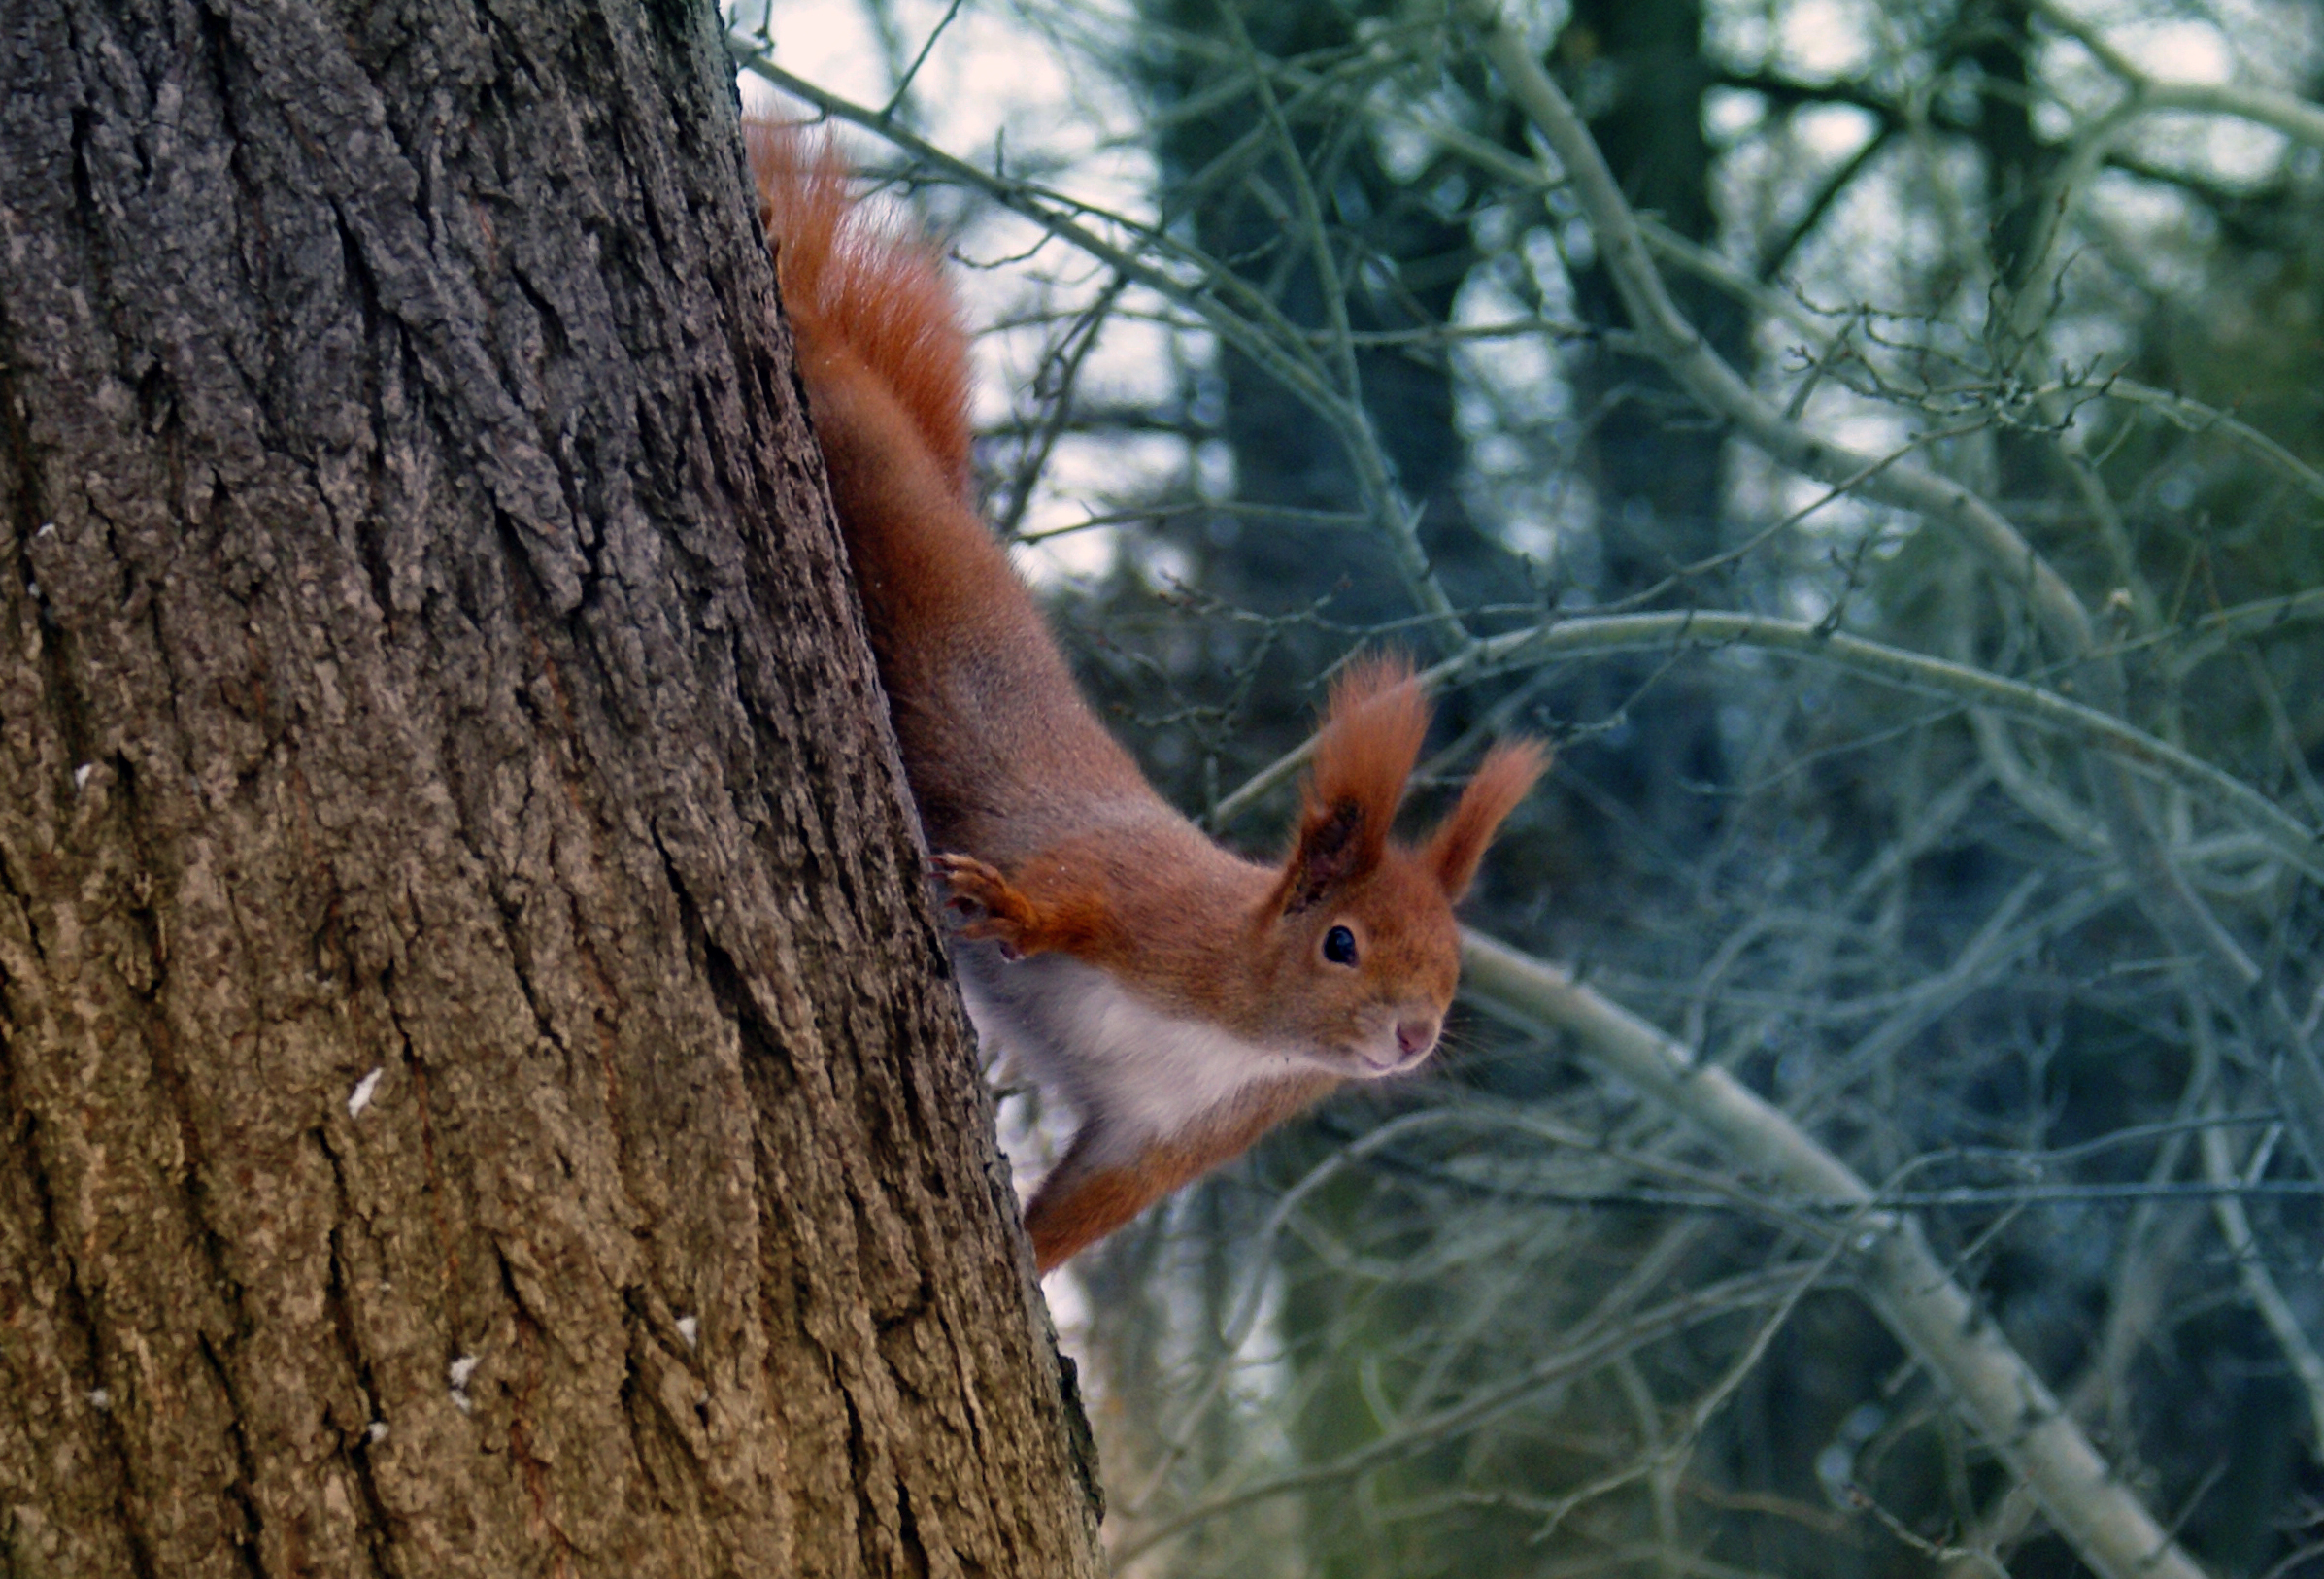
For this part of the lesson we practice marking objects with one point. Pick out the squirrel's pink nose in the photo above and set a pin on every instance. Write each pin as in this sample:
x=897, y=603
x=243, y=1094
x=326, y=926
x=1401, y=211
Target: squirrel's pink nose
x=1416, y=1036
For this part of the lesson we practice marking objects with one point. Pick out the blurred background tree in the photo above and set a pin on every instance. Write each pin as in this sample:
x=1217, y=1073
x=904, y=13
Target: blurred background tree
x=1918, y=422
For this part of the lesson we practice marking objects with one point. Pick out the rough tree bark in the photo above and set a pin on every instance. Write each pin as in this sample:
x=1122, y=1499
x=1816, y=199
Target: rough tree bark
x=477, y=1090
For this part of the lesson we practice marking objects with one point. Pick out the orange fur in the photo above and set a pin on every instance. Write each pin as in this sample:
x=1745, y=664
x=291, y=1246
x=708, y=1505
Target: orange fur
x=1504, y=777
x=1364, y=752
x=1182, y=998
x=1078, y=1203
x=855, y=285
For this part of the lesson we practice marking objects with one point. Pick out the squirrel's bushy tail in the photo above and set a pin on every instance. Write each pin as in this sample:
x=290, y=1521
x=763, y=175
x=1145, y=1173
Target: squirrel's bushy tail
x=986, y=712
x=855, y=285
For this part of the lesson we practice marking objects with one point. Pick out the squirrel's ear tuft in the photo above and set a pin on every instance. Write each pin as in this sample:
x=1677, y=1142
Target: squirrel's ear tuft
x=1504, y=777
x=1371, y=737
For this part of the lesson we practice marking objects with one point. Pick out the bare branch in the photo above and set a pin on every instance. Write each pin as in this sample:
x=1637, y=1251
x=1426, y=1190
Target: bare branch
x=1930, y=1312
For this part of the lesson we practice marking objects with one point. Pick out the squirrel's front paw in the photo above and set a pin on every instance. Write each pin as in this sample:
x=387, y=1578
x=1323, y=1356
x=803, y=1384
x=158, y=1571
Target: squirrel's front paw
x=997, y=911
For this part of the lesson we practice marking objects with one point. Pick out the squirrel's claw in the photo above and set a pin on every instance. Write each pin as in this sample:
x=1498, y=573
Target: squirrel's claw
x=996, y=910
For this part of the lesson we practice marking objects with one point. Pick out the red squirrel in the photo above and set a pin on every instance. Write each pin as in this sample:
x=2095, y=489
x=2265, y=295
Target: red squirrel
x=1181, y=999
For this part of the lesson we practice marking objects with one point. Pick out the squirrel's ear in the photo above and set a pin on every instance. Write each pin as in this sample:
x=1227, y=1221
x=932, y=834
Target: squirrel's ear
x=1371, y=737
x=1502, y=780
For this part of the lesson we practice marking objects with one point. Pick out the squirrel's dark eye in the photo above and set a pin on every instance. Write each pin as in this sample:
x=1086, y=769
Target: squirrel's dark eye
x=1339, y=946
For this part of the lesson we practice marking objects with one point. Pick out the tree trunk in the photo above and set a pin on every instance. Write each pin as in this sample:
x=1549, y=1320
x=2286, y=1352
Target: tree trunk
x=477, y=1094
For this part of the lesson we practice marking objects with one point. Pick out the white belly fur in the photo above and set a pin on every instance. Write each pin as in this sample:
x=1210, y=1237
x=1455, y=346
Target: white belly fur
x=1137, y=1072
